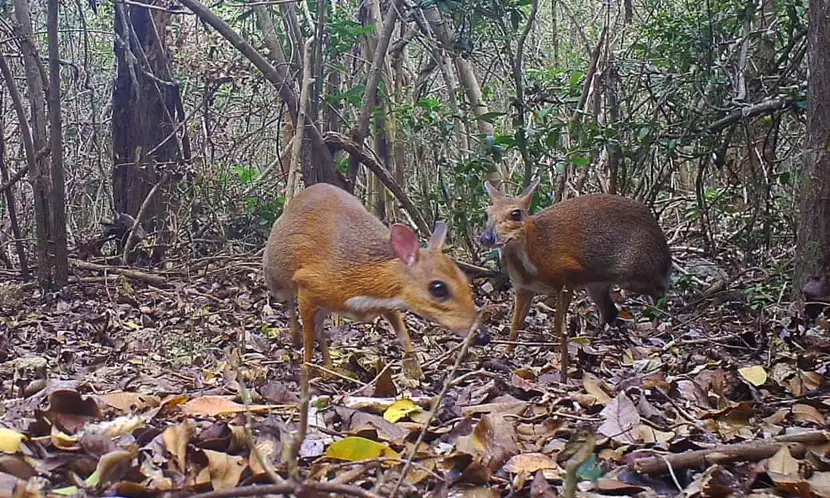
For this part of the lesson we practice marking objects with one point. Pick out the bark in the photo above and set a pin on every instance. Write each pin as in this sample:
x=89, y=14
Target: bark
x=4, y=175
x=320, y=166
x=38, y=163
x=518, y=79
x=813, y=248
x=146, y=109
x=57, y=203
x=469, y=81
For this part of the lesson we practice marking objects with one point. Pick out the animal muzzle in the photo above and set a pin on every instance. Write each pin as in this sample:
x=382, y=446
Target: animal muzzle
x=488, y=238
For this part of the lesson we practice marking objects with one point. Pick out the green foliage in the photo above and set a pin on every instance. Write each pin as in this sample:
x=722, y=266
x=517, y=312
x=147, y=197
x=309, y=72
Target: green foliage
x=345, y=33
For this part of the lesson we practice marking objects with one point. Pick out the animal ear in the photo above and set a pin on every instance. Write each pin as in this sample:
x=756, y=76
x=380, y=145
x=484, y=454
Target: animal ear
x=527, y=193
x=492, y=191
x=439, y=233
x=404, y=243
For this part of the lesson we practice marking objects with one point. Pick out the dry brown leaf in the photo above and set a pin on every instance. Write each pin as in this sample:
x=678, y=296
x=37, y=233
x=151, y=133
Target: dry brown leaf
x=212, y=406
x=491, y=443
x=650, y=435
x=529, y=463
x=783, y=462
x=617, y=487
x=479, y=492
x=269, y=450
x=808, y=413
x=17, y=466
x=621, y=420
x=225, y=470
x=735, y=421
x=176, y=439
x=385, y=386
x=509, y=407
x=592, y=387
x=113, y=466
x=371, y=426
x=129, y=401
x=540, y=488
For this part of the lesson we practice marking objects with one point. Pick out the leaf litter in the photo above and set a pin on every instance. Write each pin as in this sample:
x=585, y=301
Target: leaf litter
x=125, y=389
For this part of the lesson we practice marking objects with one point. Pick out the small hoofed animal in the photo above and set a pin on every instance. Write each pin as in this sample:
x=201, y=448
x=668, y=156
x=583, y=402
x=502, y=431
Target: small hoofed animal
x=591, y=241
x=328, y=254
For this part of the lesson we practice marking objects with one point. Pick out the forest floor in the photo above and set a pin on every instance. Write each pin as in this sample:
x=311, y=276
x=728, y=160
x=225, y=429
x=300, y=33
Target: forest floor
x=119, y=387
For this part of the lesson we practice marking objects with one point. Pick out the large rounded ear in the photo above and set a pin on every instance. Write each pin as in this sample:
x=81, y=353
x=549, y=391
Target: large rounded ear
x=527, y=193
x=404, y=243
x=439, y=233
x=492, y=191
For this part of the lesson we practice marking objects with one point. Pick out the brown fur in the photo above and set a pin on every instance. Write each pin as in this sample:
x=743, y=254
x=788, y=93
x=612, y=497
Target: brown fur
x=592, y=241
x=326, y=248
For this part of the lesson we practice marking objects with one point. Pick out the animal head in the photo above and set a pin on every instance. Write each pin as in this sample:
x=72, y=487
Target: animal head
x=506, y=216
x=436, y=287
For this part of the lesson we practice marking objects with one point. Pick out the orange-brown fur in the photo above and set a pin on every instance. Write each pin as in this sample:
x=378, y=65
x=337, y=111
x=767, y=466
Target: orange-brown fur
x=326, y=249
x=592, y=241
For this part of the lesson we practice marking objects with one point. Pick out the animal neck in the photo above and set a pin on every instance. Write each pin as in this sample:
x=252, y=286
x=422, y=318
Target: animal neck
x=515, y=255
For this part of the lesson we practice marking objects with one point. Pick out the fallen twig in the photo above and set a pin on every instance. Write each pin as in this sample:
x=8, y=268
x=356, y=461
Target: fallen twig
x=134, y=274
x=749, y=451
x=465, y=346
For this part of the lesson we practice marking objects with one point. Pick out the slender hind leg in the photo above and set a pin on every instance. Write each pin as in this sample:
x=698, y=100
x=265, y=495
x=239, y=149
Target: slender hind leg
x=600, y=294
x=293, y=323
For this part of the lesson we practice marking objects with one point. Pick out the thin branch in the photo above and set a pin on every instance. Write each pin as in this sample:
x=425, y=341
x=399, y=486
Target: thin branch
x=338, y=141
x=468, y=341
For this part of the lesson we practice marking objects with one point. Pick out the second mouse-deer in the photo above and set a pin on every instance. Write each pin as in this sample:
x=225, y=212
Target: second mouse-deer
x=328, y=254
x=591, y=242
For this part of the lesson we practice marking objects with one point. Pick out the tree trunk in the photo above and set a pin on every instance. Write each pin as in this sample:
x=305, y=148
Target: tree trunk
x=813, y=249
x=145, y=118
x=41, y=175
x=57, y=201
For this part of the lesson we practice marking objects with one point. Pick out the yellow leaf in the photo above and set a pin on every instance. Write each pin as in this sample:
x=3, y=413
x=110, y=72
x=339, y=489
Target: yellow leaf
x=400, y=409
x=132, y=325
x=755, y=375
x=10, y=440
x=354, y=448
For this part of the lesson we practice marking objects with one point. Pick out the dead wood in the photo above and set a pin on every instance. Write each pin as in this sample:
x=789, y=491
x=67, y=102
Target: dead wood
x=129, y=273
x=749, y=451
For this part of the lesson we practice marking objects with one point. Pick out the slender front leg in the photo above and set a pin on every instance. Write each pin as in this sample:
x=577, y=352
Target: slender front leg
x=521, y=306
x=308, y=313
x=411, y=367
x=563, y=301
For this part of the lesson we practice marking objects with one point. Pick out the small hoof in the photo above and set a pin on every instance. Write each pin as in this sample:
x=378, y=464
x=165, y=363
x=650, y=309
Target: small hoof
x=411, y=368
x=482, y=336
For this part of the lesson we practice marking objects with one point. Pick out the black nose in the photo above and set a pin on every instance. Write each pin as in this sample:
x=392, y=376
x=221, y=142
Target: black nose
x=482, y=336
x=488, y=238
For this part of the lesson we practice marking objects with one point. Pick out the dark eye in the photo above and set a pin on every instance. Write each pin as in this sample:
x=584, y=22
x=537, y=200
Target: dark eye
x=439, y=290
x=516, y=215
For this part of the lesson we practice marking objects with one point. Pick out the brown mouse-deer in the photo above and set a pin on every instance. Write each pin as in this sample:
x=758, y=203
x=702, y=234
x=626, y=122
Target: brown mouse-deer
x=588, y=242
x=328, y=254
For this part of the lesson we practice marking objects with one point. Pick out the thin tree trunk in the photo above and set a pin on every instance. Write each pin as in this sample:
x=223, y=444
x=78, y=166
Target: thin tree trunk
x=39, y=167
x=57, y=203
x=4, y=174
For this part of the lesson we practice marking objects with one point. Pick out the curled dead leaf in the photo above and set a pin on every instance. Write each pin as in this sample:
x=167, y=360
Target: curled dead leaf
x=621, y=420
x=225, y=469
x=176, y=439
